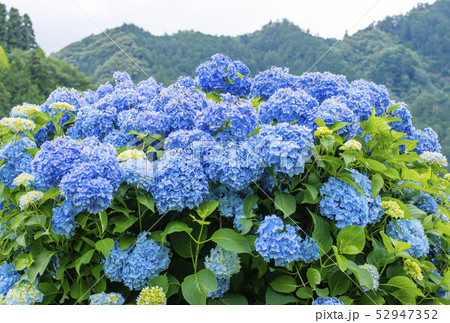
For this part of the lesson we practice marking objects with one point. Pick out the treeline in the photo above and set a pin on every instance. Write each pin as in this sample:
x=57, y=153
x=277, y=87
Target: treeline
x=26, y=74
x=410, y=54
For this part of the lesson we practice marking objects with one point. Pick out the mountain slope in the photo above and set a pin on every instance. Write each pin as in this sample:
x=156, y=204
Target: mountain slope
x=410, y=54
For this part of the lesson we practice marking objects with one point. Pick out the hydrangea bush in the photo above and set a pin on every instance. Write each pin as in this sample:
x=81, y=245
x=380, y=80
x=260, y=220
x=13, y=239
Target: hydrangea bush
x=223, y=189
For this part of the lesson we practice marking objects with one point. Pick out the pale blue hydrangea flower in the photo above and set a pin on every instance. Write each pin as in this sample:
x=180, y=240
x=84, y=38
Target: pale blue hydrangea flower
x=139, y=172
x=283, y=243
x=120, y=139
x=63, y=219
x=375, y=275
x=24, y=293
x=223, y=285
x=266, y=83
x=8, y=277
x=17, y=160
x=106, y=299
x=223, y=263
x=403, y=113
x=322, y=86
x=285, y=147
x=137, y=264
x=428, y=141
x=92, y=122
x=332, y=110
x=411, y=232
x=327, y=301
x=287, y=105
x=222, y=74
x=179, y=182
x=378, y=93
x=146, y=122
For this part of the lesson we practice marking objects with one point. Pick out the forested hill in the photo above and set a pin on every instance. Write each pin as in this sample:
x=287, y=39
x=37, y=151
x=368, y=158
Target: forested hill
x=26, y=75
x=410, y=54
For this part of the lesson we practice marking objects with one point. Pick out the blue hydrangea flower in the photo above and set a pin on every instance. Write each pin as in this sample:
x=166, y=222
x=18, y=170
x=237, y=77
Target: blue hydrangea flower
x=63, y=219
x=45, y=133
x=378, y=93
x=359, y=101
x=327, y=301
x=411, y=232
x=8, y=277
x=146, y=122
x=179, y=182
x=344, y=204
x=285, y=147
x=90, y=97
x=287, y=105
x=185, y=139
x=223, y=263
x=186, y=81
x=147, y=91
x=235, y=164
x=54, y=160
x=94, y=177
x=17, y=160
x=426, y=203
x=106, y=299
x=119, y=139
x=92, y=122
x=222, y=74
x=428, y=141
x=137, y=264
x=24, y=293
x=231, y=119
x=283, y=244
x=223, y=285
x=62, y=94
x=322, y=86
x=332, y=110
x=405, y=125
x=138, y=172
x=266, y=83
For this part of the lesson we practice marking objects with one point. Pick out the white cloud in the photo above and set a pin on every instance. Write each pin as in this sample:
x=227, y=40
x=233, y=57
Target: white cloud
x=58, y=23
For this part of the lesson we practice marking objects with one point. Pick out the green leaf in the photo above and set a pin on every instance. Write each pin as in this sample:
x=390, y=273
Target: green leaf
x=273, y=298
x=230, y=240
x=122, y=224
x=126, y=240
x=387, y=242
x=160, y=281
x=304, y=292
x=207, y=208
x=229, y=299
x=249, y=203
x=378, y=257
x=284, y=284
x=196, y=287
x=285, y=202
x=338, y=283
x=351, y=240
x=341, y=261
x=105, y=246
x=375, y=165
x=322, y=233
x=103, y=220
x=322, y=292
x=377, y=184
x=40, y=264
x=364, y=277
x=174, y=226
x=86, y=257
x=182, y=244
x=313, y=276
x=145, y=199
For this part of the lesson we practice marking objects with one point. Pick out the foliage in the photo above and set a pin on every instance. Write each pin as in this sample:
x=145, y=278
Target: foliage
x=220, y=214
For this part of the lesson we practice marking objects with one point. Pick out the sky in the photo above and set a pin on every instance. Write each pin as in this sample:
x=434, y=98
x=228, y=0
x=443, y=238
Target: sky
x=58, y=23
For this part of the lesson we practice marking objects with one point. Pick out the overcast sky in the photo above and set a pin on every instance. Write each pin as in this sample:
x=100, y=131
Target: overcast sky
x=58, y=23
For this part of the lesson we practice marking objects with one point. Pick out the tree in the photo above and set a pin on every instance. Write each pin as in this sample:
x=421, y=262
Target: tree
x=13, y=29
x=4, y=61
x=3, y=15
x=27, y=33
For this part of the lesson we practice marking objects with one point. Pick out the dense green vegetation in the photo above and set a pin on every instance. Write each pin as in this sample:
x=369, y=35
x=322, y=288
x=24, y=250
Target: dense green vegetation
x=409, y=54
x=26, y=75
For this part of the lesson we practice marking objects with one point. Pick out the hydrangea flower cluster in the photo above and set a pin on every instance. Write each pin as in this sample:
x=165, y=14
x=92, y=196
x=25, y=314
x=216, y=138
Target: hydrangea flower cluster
x=411, y=232
x=375, y=275
x=17, y=160
x=152, y=296
x=332, y=110
x=8, y=277
x=222, y=74
x=137, y=264
x=322, y=132
x=344, y=204
x=24, y=293
x=434, y=158
x=322, y=86
x=23, y=179
x=285, y=147
x=17, y=124
x=131, y=154
x=25, y=111
x=63, y=219
x=405, y=125
x=283, y=244
x=327, y=301
x=287, y=105
x=106, y=299
x=351, y=145
x=392, y=209
x=29, y=198
x=266, y=83
x=412, y=269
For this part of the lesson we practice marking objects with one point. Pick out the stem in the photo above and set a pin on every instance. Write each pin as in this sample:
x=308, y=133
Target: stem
x=197, y=249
